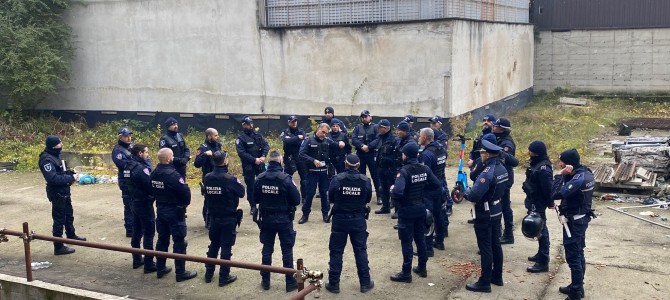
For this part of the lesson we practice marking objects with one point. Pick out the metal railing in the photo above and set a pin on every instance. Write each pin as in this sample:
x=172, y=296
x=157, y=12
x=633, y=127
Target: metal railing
x=302, y=274
x=291, y=13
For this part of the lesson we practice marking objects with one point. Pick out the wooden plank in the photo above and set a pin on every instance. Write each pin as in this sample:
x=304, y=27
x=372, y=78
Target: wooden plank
x=574, y=101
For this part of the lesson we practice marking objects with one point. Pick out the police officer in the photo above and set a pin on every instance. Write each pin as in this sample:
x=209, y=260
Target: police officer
x=403, y=132
x=59, y=180
x=410, y=120
x=386, y=145
x=138, y=182
x=502, y=129
x=440, y=136
x=411, y=184
x=252, y=149
x=349, y=192
x=292, y=138
x=340, y=152
x=222, y=196
x=203, y=160
x=486, y=195
x=172, y=196
x=315, y=152
x=537, y=187
x=121, y=155
x=175, y=141
x=364, y=133
x=277, y=196
x=575, y=189
x=508, y=160
x=329, y=118
x=487, y=126
x=434, y=156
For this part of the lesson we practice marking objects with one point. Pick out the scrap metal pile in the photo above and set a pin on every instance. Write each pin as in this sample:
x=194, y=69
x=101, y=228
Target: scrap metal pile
x=639, y=163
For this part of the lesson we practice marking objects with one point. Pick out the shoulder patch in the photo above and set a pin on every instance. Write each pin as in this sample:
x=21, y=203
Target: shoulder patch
x=543, y=167
x=506, y=149
x=162, y=143
x=486, y=170
x=577, y=176
x=119, y=156
x=198, y=152
x=48, y=167
x=482, y=180
x=181, y=180
x=146, y=171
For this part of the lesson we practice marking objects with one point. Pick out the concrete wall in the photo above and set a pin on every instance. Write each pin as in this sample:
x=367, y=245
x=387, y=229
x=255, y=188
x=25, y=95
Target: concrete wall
x=629, y=61
x=489, y=62
x=210, y=57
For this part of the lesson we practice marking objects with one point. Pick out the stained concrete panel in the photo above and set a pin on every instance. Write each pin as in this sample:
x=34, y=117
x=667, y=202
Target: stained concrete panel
x=626, y=60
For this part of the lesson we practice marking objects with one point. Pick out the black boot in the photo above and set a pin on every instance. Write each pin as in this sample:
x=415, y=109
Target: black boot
x=303, y=219
x=498, y=282
x=78, y=238
x=209, y=275
x=420, y=271
x=538, y=268
x=438, y=246
x=568, y=290
x=150, y=268
x=333, y=288
x=137, y=265
x=265, y=283
x=471, y=221
x=227, y=280
x=383, y=210
x=367, y=287
x=63, y=250
x=395, y=214
x=325, y=218
x=507, y=238
x=533, y=258
x=402, y=277
x=478, y=287
x=186, y=275
x=161, y=273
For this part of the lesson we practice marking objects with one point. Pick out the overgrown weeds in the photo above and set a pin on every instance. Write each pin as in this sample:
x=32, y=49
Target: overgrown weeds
x=560, y=127
x=563, y=127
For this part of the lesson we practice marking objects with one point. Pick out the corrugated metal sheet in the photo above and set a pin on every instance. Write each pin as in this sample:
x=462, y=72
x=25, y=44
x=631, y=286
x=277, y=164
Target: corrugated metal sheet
x=600, y=14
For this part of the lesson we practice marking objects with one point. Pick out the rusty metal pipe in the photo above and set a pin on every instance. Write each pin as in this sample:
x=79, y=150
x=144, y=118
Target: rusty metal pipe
x=26, y=252
x=301, y=294
x=206, y=260
x=301, y=280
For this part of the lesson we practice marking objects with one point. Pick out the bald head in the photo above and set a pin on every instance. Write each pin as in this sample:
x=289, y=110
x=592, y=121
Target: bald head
x=165, y=156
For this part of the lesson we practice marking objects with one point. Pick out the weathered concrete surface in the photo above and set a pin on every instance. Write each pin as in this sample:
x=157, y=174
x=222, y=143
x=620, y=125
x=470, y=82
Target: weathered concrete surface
x=210, y=56
x=16, y=288
x=489, y=61
x=625, y=61
x=627, y=258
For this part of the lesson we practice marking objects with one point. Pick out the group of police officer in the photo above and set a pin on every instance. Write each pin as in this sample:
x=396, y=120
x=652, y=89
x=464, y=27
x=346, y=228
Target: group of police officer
x=407, y=171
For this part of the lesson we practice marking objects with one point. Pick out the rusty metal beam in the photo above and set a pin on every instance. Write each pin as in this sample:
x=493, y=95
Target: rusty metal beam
x=26, y=252
x=301, y=294
x=206, y=260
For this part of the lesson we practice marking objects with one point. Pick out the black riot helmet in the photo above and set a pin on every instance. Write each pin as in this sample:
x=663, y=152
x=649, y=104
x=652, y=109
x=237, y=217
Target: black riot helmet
x=430, y=223
x=532, y=225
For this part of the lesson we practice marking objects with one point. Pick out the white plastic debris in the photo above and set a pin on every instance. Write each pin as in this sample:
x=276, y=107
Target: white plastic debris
x=40, y=265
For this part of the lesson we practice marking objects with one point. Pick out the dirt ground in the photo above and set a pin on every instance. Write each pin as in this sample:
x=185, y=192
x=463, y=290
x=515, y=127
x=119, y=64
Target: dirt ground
x=627, y=258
